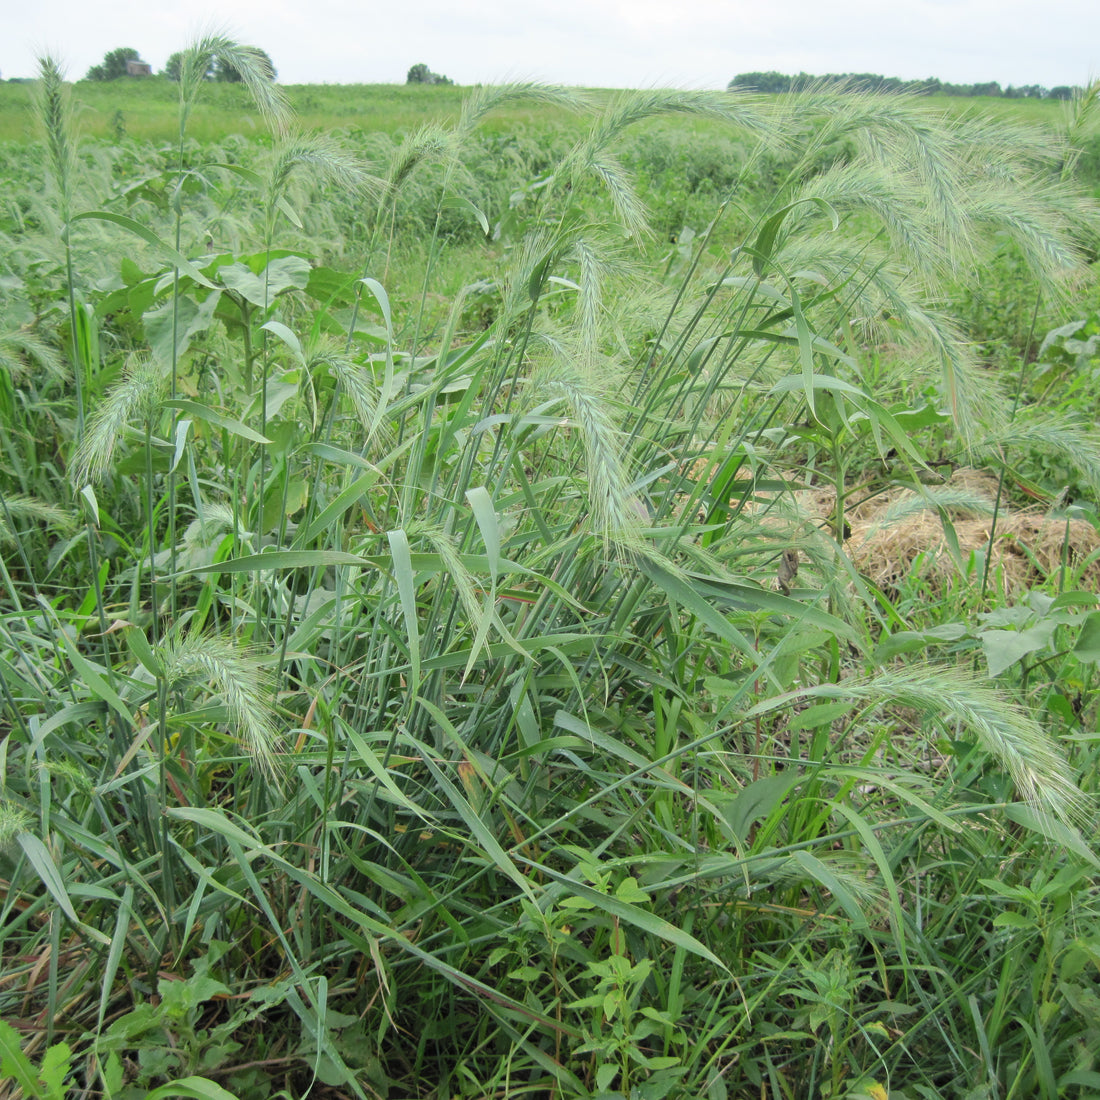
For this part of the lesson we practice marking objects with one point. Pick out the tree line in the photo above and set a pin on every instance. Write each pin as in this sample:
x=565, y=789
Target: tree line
x=114, y=66
x=773, y=82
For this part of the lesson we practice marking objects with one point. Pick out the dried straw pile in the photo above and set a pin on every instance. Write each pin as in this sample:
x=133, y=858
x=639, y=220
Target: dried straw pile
x=899, y=531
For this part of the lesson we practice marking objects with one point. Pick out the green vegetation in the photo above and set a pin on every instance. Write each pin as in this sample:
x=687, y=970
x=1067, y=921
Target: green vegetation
x=150, y=107
x=779, y=84
x=113, y=65
x=421, y=74
x=536, y=602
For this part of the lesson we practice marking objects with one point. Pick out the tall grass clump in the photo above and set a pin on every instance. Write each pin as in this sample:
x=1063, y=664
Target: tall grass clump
x=461, y=681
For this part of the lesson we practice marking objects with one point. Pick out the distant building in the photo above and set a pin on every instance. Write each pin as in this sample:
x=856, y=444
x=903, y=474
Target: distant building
x=139, y=68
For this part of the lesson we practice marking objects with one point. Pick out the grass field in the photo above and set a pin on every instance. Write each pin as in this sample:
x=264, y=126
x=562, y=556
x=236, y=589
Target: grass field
x=508, y=592
x=148, y=109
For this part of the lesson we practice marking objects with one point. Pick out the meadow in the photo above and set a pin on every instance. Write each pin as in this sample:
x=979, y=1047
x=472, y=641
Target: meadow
x=518, y=592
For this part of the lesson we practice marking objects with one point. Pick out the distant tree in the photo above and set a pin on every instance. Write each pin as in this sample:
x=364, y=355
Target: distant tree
x=773, y=83
x=227, y=74
x=770, y=82
x=1025, y=91
x=113, y=64
x=172, y=66
x=421, y=74
x=867, y=82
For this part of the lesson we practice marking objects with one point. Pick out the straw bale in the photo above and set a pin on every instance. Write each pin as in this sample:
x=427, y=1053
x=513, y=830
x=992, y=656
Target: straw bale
x=1028, y=544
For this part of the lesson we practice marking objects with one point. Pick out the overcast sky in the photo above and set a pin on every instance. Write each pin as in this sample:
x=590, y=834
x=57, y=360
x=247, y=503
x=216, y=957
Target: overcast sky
x=598, y=43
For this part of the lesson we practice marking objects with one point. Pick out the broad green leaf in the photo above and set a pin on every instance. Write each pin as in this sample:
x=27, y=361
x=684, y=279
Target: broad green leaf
x=291, y=214
x=338, y=455
x=337, y=507
x=1073, y=598
x=1010, y=919
x=87, y=343
x=56, y=1064
x=143, y=651
x=370, y=758
x=114, y=953
x=485, y=514
x=822, y=714
x=248, y=174
x=82, y=714
x=91, y=504
x=191, y=318
x=629, y=890
x=909, y=641
x=220, y=823
x=1087, y=646
x=605, y=741
x=204, y=412
x=278, y=559
x=277, y=328
x=805, y=351
x=926, y=416
x=759, y=289
x=881, y=418
x=193, y=1088
x=40, y=859
x=762, y=250
x=331, y=286
x=14, y=1063
x=378, y=291
x=819, y=382
x=755, y=801
x=464, y=205
x=283, y=273
x=403, y=575
x=538, y=277
x=1003, y=648
x=821, y=874
x=183, y=429
x=872, y=844
x=1037, y=1045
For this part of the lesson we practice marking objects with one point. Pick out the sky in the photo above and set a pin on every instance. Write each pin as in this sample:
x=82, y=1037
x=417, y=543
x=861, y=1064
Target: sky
x=595, y=43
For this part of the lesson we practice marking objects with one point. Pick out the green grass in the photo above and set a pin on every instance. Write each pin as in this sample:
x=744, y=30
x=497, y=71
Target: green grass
x=1042, y=111
x=406, y=685
x=148, y=109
